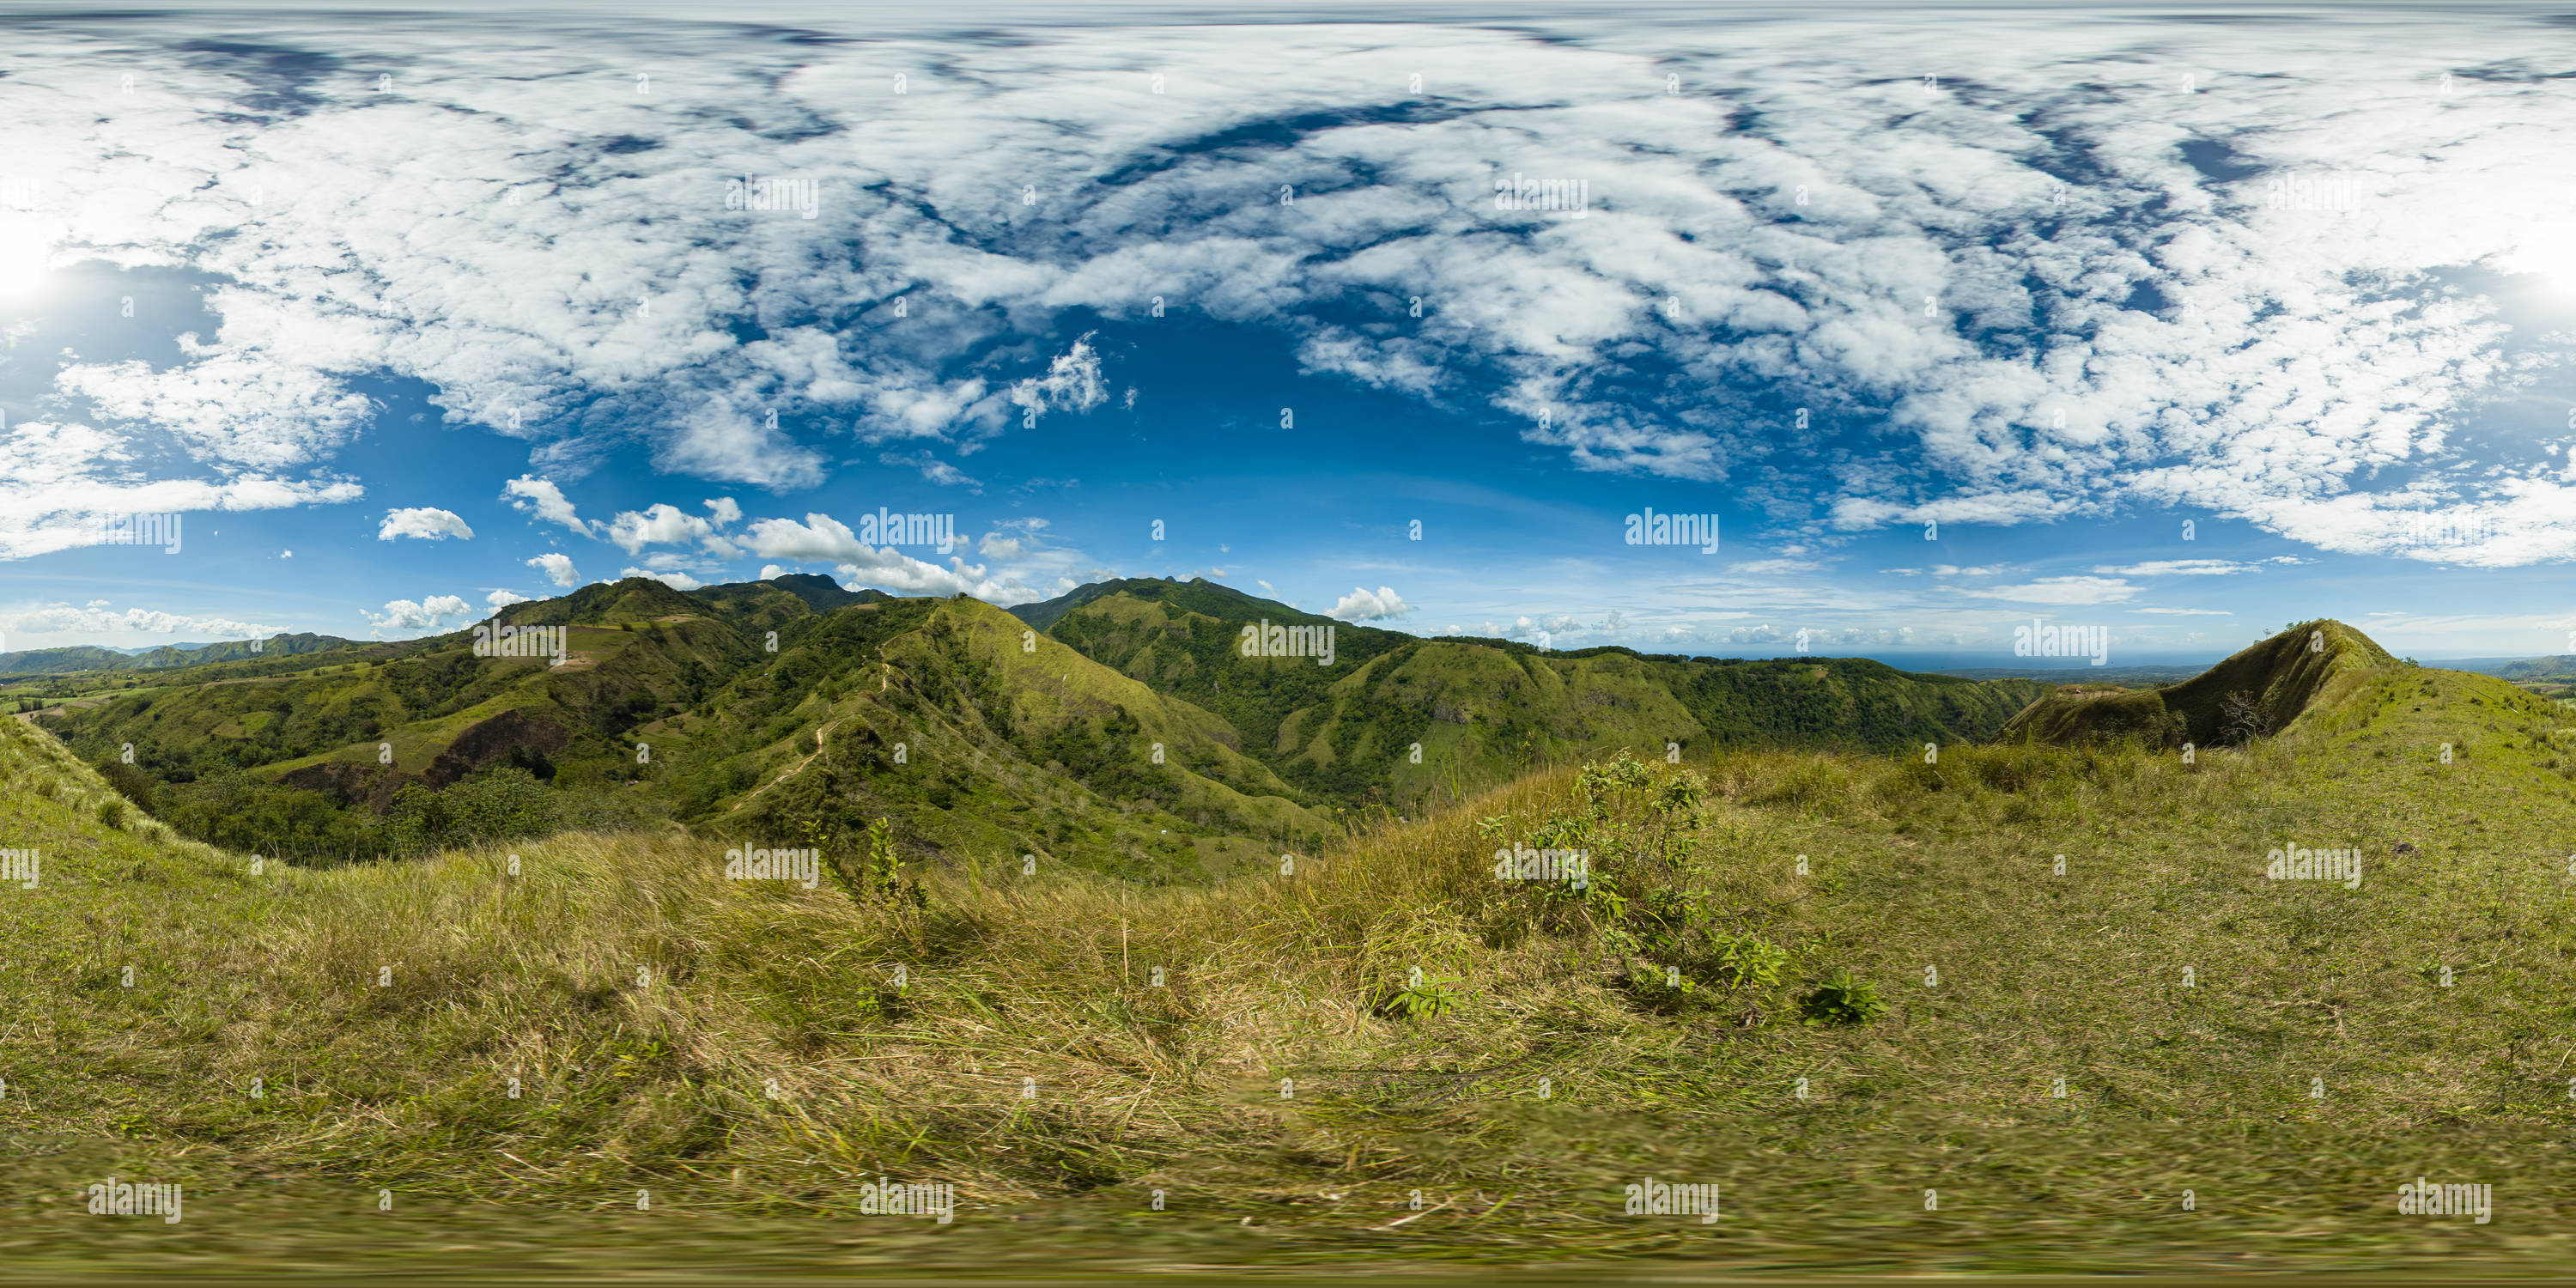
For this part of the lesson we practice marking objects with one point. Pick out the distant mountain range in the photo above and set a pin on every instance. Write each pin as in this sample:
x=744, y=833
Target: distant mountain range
x=1155, y=728
x=2560, y=667
x=90, y=657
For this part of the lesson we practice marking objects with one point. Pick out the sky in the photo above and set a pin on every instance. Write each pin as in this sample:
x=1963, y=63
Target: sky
x=1948, y=321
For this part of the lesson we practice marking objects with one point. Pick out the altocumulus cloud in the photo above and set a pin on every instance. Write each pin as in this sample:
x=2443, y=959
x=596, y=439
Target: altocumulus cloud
x=1839, y=239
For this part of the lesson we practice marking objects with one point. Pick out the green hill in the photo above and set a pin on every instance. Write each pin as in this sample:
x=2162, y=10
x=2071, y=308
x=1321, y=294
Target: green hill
x=2017, y=1008
x=1133, y=736
x=2258, y=691
x=65, y=661
x=746, y=707
x=1485, y=710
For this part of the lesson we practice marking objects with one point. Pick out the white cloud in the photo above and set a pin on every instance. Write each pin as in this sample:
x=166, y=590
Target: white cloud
x=417, y=616
x=545, y=500
x=99, y=618
x=1363, y=606
x=932, y=469
x=770, y=572
x=824, y=539
x=2295, y=369
x=501, y=599
x=2059, y=590
x=243, y=409
x=820, y=539
x=663, y=524
x=1072, y=382
x=2184, y=568
x=727, y=511
x=558, y=568
x=673, y=579
x=427, y=524
x=1000, y=547
x=58, y=482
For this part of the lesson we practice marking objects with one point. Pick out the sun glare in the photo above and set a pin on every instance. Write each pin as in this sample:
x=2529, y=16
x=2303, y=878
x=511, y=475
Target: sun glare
x=22, y=259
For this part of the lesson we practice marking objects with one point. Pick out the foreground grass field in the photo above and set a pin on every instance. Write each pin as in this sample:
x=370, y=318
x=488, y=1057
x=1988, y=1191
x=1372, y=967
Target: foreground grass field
x=2156, y=1058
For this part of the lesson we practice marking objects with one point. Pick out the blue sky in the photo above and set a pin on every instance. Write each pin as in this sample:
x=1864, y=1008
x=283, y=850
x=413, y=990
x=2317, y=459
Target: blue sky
x=356, y=292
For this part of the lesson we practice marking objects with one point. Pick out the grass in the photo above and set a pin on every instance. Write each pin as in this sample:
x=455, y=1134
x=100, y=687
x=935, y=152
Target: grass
x=1517, y=1106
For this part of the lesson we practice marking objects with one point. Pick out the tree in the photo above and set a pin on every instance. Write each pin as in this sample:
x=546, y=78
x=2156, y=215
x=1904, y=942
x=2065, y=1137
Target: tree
x=2242, y=717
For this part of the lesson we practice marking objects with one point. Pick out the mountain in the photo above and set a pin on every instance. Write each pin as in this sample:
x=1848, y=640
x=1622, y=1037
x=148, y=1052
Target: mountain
x=2260, y=690
x=63, y=661
x=2091, y=978
x=777, y=710
x=1481, y=710
x=1133, y=735
x=60, y=661
x=2520, y=670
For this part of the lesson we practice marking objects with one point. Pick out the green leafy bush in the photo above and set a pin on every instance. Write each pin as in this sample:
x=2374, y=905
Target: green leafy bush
x=1749, y=961
x=1840, y=999
x=1420, y=998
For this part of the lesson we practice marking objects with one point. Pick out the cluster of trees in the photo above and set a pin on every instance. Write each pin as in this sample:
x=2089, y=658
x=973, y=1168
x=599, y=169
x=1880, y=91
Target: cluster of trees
x=240, y=811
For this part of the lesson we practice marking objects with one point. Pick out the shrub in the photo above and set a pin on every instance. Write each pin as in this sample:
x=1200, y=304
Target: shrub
x=1749, y=961
x=1421, y=998
x=131, y=783
x=112, y=811
x=1840, y=999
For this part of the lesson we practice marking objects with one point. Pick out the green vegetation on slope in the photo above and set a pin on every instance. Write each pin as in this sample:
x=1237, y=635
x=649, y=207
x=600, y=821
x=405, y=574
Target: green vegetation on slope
x=1486, y=710
x=2060, y=1055
x=1133, y=737
x=2259, y=690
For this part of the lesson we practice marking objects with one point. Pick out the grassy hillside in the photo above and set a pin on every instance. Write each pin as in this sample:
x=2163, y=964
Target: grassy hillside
x=2263, y=688
x=1486, y=710
x=1133, y=737
x=68, y=661
x=791, y=706
x=2284, y=1052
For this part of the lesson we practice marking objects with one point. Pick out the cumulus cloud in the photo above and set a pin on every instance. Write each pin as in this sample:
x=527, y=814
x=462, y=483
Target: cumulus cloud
x=1072, y=383
x=557, y=568
x=672, y=578
x=543, y=499
x=427, y=524
x=501, y=599
x=824, y=539
x=100, y=618
x=2149, y=334
x=631, y=530
x=666, y=524
x=417, y=616
x=1361, y=605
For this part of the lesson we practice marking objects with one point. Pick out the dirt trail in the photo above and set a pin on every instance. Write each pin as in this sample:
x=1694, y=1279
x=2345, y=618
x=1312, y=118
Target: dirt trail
x=821, y=732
